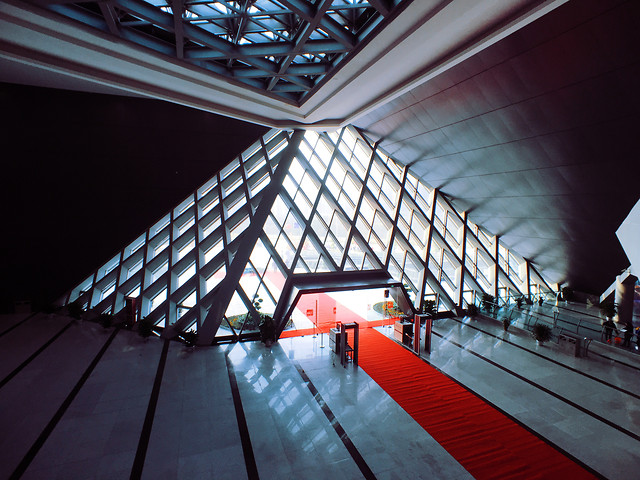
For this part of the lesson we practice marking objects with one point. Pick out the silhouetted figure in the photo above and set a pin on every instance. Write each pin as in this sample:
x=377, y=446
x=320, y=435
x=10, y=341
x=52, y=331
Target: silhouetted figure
x=609, y=327
x=628, y=333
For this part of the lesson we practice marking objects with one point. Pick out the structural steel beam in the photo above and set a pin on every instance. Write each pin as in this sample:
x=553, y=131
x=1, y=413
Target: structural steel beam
x=250, y=236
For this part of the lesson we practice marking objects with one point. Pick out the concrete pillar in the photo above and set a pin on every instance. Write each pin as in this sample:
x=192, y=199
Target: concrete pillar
x=625, y=286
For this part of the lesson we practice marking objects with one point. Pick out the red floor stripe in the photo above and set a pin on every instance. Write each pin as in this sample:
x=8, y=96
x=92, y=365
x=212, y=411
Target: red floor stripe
x=486, y=442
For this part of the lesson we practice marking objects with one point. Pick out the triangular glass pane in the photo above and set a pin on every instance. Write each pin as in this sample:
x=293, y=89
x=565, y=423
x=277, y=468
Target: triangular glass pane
x=323, y=265
x=249, y=281
x=235, y=310
x=334, y=248
x=356, y=253
x=349, y=265
x=309, y=252
x=368, y=263
x=260, y=257
x=274, y=278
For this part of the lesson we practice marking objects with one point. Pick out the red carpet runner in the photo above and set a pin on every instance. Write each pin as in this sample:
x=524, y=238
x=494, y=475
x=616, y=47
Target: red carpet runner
x=487, y=443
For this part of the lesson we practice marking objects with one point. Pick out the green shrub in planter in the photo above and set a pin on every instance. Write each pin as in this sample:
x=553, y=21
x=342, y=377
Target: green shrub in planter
x=542, y=332
x=429, y=307
x=74, y=309
x=487, y=302
x=145, y=328
x=190, y=337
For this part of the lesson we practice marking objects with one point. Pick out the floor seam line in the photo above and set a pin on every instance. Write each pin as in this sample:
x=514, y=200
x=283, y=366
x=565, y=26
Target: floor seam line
x=34, y=355
x=145, y=433
x=18, y=324
x=245, y=438
x=545, y=390
x=575, y=370
x=337, y=426
x=42, y=438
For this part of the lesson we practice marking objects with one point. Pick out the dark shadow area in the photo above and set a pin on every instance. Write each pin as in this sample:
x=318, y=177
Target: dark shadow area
x=83, y=174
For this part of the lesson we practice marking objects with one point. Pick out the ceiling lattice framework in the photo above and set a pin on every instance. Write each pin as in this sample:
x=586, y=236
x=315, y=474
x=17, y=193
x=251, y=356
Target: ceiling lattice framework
x=297, y=205
x=285, y=47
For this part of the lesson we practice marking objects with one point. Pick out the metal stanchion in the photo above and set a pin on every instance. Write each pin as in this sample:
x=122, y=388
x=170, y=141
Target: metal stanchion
x=315, y=324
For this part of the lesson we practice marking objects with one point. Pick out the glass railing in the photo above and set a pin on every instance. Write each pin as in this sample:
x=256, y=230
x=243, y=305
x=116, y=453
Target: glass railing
x=527, y=316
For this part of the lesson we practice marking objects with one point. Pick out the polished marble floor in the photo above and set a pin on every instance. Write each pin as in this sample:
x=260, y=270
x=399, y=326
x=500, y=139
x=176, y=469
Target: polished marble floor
x=78, y=401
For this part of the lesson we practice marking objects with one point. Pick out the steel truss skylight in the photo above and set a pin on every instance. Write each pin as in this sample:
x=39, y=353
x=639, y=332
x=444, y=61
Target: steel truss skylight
x=298, y=204
x=282, y=46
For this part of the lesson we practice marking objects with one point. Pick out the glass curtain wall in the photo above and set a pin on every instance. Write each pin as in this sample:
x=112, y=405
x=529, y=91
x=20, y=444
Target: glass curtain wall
x=343, y=205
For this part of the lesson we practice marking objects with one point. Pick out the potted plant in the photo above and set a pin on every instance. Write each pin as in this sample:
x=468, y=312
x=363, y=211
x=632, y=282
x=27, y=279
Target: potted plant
x=542, y=333
x=487, y=302
x=429, y=307
x=106, y=320
x=267, y=329
x=472, y=310
x=190, y=338
x=145, y=328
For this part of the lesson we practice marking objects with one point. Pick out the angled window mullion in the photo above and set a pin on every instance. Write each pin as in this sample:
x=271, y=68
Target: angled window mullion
x=119, y=282
x=245, y=185
x=297, y=215
x=409, y=248
x=367, y=248
x=251, y=309
x=429, y=242
x=198, y=262
x=322, y=193
x=272, y=252
x=170, y=311
x=352, y=222
x=247, y=241
x=394, y=228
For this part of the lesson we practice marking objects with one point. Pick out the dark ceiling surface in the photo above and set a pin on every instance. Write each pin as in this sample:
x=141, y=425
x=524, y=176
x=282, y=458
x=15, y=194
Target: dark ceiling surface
x=83, y=174
x=536, y=137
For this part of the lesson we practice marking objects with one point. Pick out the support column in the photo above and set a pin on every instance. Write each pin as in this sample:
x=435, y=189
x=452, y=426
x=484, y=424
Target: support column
x=463, y=257
x=625, y=286
x=219, y=305
x=528, y=278
x=496, y=274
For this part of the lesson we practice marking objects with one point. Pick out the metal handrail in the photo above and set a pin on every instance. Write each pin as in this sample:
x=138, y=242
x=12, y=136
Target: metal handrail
x=530, y=318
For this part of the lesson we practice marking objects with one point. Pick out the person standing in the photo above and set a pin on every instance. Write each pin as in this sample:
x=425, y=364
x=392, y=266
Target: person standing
x=609, y=327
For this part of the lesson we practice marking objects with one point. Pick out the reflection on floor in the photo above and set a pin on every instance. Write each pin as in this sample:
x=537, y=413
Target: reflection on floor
x=84, y=402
